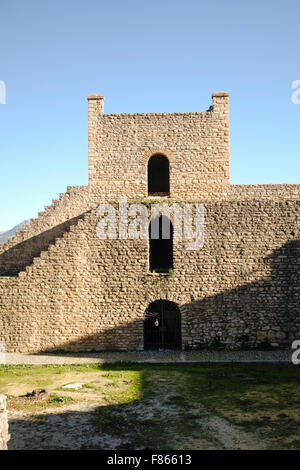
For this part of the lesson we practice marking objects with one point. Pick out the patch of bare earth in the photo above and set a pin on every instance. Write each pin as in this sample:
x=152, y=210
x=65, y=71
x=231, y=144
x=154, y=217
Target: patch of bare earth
x=72, y=427
x=69, y=427
x=163, y=419
x=217, y=433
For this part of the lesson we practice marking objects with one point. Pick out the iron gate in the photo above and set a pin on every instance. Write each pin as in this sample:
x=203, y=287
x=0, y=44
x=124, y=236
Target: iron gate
x=162, y=326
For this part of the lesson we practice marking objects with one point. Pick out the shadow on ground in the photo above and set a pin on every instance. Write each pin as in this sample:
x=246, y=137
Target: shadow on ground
x=172, y=407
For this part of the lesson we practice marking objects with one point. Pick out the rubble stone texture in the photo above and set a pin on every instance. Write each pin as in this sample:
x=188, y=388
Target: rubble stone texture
x=64, y=288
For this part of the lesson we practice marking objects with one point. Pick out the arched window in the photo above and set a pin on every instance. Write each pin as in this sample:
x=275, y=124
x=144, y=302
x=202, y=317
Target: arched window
x=158, y=176
x=161, y=244
x=162, y=326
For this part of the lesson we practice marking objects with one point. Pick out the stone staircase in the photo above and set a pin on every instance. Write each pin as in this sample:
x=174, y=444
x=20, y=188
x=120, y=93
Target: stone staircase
x=46, y=219
x=59, y=242
x=43, y=231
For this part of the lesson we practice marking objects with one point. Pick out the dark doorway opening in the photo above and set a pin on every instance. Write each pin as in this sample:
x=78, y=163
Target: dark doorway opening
x=161, y=244
x=158, y=176
x=162, y=326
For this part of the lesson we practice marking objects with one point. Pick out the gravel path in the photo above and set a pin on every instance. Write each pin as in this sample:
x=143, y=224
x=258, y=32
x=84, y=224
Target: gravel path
x=149, y=357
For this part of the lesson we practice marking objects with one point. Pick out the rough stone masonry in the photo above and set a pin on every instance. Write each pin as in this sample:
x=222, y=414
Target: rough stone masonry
x=62, y=287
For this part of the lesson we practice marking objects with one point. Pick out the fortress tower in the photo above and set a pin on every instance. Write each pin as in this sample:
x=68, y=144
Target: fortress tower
x=196, y=146
x=64, y=287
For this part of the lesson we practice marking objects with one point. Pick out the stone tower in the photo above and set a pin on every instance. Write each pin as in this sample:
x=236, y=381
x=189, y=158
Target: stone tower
x=64, y=287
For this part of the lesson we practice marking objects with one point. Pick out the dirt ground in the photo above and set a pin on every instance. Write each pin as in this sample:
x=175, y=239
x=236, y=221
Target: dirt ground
x=150, y=406
x=72, y=428
x=34, y=424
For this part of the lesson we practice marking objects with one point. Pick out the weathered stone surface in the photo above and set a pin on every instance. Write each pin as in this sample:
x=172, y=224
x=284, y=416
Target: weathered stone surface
x=77, y=292
x=75, y=386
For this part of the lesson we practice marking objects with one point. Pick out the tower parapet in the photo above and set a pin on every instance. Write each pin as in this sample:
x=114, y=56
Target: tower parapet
x=197, y=141
x=221, y=103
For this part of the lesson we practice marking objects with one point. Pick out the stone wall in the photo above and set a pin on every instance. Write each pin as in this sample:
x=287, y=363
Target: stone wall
x=240, y=289
x=20, y=250
x=4, y=436
x=196, y=144
x=72, y=203
x=72, y=290
x=274, y=192
x=36, y=236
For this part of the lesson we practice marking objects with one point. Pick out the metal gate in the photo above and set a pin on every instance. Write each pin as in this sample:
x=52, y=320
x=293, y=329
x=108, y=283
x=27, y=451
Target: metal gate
x=162, y=326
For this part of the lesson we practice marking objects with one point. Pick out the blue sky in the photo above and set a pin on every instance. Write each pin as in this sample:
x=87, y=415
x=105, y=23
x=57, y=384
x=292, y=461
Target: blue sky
x=143, y=56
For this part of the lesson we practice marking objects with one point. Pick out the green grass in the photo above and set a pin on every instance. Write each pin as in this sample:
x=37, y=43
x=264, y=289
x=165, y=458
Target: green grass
x=26, y=404
x=264, y=399
x=152, y=406
x=126, y=386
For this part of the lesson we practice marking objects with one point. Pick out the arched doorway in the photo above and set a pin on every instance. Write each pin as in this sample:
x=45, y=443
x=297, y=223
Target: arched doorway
x=162, y=326
x=158, y=176
x=160, y=244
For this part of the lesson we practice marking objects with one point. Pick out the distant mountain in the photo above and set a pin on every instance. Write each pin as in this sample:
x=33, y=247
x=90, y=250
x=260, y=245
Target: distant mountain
x=4, y=236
